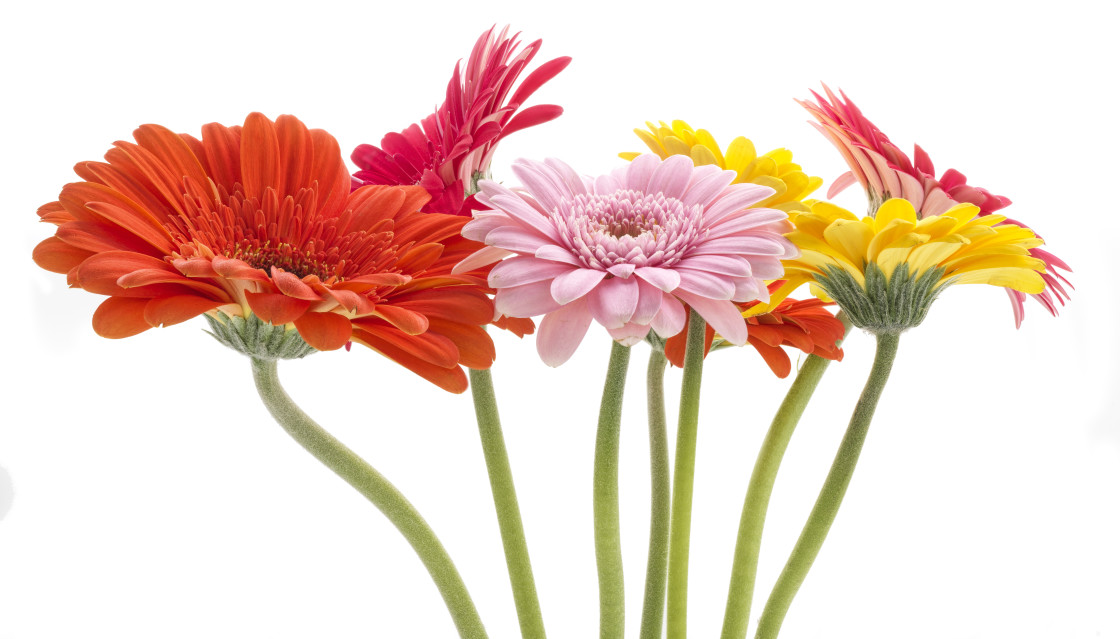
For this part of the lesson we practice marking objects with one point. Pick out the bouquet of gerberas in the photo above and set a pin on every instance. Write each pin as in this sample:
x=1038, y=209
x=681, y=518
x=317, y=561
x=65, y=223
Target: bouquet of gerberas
x=691, y=248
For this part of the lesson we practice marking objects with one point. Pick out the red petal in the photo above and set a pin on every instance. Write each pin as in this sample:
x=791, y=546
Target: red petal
x=476, y=349
x=774, y=357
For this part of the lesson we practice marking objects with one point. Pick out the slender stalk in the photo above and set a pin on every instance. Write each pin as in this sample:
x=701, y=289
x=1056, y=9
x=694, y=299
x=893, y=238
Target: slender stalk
x=761, y=486
x=505, y=504
x=378, y=490
x=680, y=526
x=608, y=538
x=832, y=493
x=653, y=607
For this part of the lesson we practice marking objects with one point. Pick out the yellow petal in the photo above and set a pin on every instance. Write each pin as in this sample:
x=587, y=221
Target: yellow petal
x=652, y=142
x=702, y=156
x=851, y=238
x=705, y=140
x=1019, y=279
x=739, y=154
x=894, y=209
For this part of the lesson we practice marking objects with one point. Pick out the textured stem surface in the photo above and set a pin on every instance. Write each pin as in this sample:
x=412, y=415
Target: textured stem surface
x=378, y=490
x=680, y=526
x=608, y=539
x=831, y=495
x=505, y=504
x=745, y=566
x=653, y=607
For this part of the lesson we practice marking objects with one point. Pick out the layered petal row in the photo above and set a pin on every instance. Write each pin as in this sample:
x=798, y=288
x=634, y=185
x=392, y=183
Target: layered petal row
x=260, y=220
x=629, y=250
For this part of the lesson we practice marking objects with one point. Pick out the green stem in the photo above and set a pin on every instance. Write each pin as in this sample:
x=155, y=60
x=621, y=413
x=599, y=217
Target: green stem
x=505, y=504
x=684, y=470
x=832, y=493
x=608, y=539
x=743, y=570
x=374, y=487
x=653, y=608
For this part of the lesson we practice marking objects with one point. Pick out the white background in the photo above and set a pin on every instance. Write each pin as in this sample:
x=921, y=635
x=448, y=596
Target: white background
x=154, y=497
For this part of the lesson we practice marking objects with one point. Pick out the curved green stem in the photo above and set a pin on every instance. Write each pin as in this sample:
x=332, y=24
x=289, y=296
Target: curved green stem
x=653, y=607
x=374, y=487
x=505, y=504
x=832, y=493
x=608, y=538
x=683, y=472
x=744, y=568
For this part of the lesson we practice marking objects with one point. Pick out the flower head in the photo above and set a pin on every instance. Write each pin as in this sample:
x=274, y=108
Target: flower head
x=802, y=324
x=885, y=271
x=452, y=148
x=774, y=169
x=627, y=249
x=886, y=172
x=259, y=223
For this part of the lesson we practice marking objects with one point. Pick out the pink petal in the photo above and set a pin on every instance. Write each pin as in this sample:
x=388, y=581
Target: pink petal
x=575, y=283
x=671, y=318
x=640, y=170
x=561, y=332
x=706, y=284
x=557, y=254
x=527, y=300
x=841, y=183
x=613, y=302
x=720, y=314
x=736, y=198
x=751, y=219
x=663, y=278
x=543, y=183
x=516, y=239
x=649, y=303
x=723, y=264
x=630, y=334
x=707, y=182
x=524, y=269
x=671, y=177
x=480, y=258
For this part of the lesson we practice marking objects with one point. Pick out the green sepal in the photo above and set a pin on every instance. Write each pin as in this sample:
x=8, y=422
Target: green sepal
x=883, y=305
x=257, y=338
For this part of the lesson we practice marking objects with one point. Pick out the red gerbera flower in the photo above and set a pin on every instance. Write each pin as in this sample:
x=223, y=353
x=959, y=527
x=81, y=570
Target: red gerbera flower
x=260, y=221
x=885, y=171
x=452, y=148
x=803, y=324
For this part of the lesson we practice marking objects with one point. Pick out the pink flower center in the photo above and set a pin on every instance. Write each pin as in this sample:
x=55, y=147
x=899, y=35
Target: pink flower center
x=627, y=227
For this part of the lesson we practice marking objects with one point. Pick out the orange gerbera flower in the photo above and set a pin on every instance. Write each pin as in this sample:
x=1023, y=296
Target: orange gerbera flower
x=803, y=324
x=259, y=221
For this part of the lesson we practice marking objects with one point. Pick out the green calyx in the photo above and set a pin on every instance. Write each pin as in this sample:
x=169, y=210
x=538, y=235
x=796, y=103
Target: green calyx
x=883, y=305
x=256, y=338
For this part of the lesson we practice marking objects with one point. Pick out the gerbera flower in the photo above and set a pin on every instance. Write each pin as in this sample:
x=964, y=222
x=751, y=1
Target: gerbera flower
x=628, y=249
x=886, y=172
x=803, y=324
x=885, y=271
x=452, y=148
x=774, y=169
x=259, y=223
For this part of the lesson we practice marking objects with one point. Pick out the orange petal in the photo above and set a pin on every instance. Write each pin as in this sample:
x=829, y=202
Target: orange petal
x=410, y=322
x=57, y=256
x=774, y=357
x=166, y=311
x=119, y=317
x=324, y=331
x=276, y=309
x=476, y=349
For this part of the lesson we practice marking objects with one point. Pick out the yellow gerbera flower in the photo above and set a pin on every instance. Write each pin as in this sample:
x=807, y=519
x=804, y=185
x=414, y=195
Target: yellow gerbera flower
x=885, y=271
x=774, y=169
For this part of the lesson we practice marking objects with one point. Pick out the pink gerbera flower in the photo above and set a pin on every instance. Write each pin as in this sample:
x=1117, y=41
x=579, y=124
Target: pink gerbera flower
x=452, y=148
x=629, y=249
x=885, y=171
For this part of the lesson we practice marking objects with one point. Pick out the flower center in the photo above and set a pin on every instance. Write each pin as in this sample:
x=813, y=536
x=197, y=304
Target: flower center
x=627, y=227
x=283, y=256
